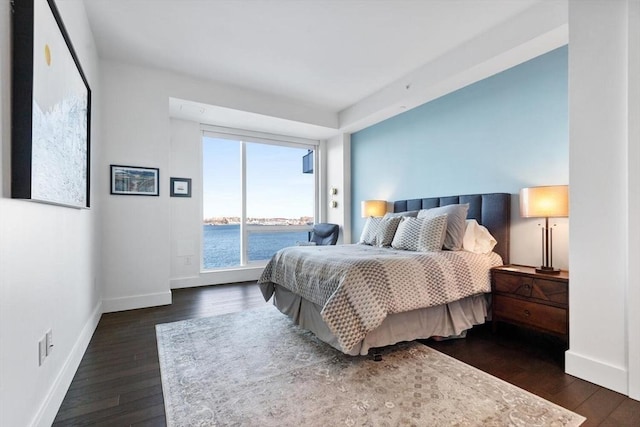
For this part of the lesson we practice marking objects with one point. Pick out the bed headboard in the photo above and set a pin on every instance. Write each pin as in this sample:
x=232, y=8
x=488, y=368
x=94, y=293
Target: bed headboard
x=493, y=210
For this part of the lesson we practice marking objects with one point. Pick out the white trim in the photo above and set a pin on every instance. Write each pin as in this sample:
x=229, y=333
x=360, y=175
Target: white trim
x=244, y=237
x=253, y=136
x=320, y=184
x=110, y=305
x=51, y=404
x=597, y=372
x=633, y=279
x=346, y=165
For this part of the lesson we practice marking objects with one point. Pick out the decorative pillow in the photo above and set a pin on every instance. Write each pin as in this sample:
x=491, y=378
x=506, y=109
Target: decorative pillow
x=477, y=238
x=421, y=234
x=379, y=231
x=456, y=225
x=401, y=214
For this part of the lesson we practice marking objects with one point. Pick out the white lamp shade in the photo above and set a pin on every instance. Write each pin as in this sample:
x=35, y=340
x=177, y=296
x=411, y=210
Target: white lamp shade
x=545, y=202
x=374, y=208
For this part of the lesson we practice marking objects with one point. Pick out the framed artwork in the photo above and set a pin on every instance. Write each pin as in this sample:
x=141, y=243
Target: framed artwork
x=135, y=181
x=51, y=105
x=180, y=187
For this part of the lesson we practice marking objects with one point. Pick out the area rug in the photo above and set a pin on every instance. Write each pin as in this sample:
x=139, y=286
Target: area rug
x=256, y=368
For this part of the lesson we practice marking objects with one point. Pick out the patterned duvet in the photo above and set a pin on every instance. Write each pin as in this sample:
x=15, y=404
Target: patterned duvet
x=359, y=285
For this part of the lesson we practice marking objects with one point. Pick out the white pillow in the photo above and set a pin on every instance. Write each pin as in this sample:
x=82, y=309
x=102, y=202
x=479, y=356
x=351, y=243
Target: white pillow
x=420, y=234
x=477, y=238
x=379, y=231
x=457, y=214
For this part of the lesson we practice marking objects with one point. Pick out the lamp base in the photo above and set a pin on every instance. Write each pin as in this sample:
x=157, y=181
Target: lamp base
x=547, y=270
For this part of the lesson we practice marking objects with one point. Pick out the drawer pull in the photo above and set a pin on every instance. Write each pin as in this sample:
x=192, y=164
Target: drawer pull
x=527, y=287
x=527, y=313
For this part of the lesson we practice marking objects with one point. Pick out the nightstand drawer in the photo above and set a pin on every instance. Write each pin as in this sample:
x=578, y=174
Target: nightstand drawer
x=511, y=284
x=549, y=318
x=550, y=290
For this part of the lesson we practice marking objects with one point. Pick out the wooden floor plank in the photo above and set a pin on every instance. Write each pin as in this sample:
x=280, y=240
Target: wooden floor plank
x=600, y=406
x=118, y=380
x=574, y=394
x=75, y=409
x=627, y=414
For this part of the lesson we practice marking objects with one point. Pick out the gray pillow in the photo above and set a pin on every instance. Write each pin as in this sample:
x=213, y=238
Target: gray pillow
x=412, y=214
x=420, y=234
x=379, y=231
x=456, y=223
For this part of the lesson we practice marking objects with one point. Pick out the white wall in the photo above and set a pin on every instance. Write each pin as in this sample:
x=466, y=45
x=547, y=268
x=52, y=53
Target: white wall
x=49, y=261
x=152, y=244
x=601, y=270
x=186, y=213
x=136, y=229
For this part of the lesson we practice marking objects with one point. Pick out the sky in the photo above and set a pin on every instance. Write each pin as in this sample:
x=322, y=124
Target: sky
x=276, y=186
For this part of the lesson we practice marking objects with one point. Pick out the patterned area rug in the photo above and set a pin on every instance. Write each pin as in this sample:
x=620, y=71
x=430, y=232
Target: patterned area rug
x=255, y=368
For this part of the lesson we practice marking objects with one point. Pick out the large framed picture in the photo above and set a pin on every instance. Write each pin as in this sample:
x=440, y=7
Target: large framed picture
x=135, y=181
x=51, y=110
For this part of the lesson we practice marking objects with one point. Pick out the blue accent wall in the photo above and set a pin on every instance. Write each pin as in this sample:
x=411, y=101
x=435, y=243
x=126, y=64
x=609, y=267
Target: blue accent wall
x=500, y=134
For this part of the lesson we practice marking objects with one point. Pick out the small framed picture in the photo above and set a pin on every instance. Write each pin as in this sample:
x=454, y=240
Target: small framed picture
x=135, y=181
x=180, y=187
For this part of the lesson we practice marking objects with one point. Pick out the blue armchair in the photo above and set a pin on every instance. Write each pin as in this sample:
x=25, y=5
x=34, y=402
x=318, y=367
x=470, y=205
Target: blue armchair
x=324, y=234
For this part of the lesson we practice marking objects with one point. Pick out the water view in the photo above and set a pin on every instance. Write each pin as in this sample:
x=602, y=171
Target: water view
x=221, y=245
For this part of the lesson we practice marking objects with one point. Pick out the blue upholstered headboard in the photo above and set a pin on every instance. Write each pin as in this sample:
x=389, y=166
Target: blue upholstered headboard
x=493, y=210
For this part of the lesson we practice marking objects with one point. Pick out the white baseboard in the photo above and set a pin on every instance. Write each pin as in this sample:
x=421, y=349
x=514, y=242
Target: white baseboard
x=597, y=372
x=49, y=408
x=186, y=282
x=109, y=305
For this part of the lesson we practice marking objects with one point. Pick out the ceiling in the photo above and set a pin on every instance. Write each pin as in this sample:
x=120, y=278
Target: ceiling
x=325, y=54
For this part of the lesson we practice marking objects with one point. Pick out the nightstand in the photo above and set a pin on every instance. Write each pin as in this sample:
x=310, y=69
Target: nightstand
x=523, y=297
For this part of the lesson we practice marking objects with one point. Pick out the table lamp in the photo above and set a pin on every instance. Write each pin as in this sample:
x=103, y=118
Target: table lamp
x=545, y=202
x=373, y=208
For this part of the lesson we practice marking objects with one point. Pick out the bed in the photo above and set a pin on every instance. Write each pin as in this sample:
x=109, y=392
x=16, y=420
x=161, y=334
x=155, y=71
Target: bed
x=359, y=297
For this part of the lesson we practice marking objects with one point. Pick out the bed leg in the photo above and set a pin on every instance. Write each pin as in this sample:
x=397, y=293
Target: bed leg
x=377, y=356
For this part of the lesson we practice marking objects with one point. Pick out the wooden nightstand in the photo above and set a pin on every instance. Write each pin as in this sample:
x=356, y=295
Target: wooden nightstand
x=526, y=298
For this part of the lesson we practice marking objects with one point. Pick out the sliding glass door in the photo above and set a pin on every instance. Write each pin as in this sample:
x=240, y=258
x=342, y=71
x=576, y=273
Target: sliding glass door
x=257, y=198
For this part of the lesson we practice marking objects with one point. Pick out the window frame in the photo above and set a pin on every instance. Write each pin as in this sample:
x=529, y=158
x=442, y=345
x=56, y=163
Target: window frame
x=244, y=137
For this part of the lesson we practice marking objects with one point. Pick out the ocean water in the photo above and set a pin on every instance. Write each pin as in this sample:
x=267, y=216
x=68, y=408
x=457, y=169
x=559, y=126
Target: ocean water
x=221, y=245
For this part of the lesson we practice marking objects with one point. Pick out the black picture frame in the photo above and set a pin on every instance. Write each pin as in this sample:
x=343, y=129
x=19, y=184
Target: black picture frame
x=135, y=181
x=180, y=187
x=51, y=110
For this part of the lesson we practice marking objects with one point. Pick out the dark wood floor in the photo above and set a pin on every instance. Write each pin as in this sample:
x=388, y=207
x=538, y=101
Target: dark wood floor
x=118, y=380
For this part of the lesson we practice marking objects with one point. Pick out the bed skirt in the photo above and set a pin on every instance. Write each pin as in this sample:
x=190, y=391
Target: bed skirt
x=445, y=320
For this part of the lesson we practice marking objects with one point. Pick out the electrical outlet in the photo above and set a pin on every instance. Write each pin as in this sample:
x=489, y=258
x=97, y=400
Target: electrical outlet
x=49, y=342
x=187, y=260
x=42, y=350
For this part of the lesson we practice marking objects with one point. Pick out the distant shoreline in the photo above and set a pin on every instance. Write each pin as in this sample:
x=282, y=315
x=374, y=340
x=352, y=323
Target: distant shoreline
x=259, y=221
